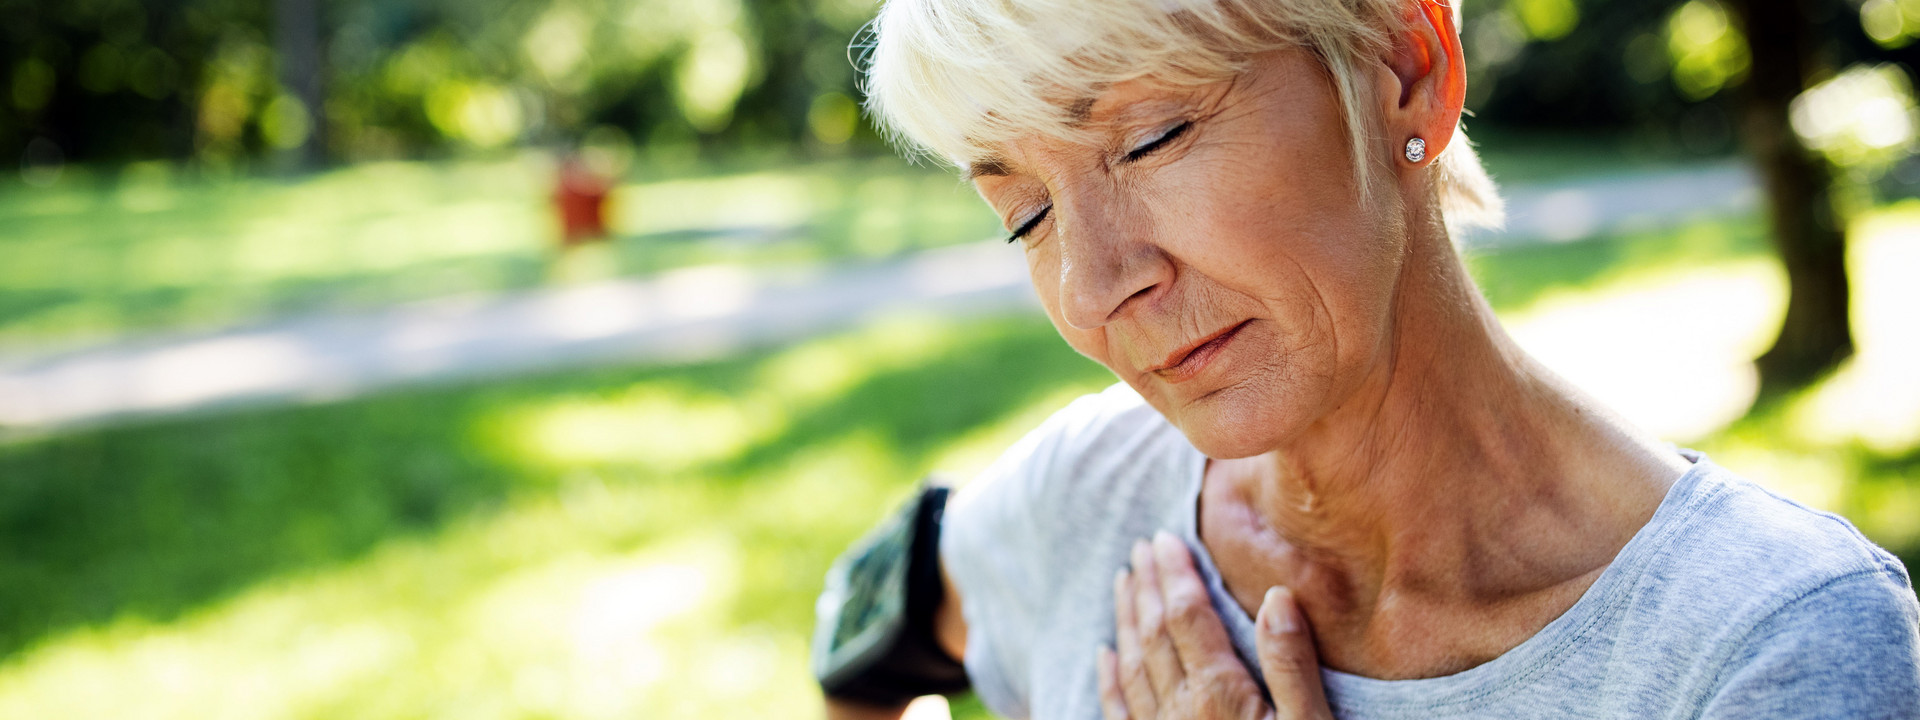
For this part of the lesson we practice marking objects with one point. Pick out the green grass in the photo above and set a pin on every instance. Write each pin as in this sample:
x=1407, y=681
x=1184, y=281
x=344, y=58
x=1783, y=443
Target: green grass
x=445, y=552
x=146, y=248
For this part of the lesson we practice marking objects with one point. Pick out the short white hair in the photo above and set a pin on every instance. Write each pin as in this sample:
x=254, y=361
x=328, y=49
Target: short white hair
x=954, y=78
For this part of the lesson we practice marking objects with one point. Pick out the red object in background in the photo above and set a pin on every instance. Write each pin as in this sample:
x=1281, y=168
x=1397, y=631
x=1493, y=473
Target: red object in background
x=581, y=200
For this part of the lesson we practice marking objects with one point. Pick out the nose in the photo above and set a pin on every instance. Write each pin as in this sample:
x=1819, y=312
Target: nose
x=1107, y=260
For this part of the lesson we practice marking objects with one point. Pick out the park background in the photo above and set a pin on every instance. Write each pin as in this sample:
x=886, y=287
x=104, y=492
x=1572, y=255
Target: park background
x=304, y=413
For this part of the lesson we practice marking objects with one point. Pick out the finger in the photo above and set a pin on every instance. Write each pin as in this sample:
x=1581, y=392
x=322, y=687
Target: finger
x=1107, y=667
x=1288, y=659
x=1195, y=628
x=1135, y=687
x=1149, y=612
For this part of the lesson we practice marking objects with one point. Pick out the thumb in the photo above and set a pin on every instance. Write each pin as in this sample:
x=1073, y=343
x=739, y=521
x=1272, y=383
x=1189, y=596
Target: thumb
x=1288, y=660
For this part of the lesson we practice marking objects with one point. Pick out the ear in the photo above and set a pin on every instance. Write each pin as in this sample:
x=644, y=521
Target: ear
x=1431, y=75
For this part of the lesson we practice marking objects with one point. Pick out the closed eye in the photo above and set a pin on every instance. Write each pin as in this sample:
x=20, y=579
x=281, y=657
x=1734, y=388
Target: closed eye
x=1029, y=225
x=1159, y=142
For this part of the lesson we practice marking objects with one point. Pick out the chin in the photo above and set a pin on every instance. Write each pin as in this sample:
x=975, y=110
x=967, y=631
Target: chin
x=1239, y=421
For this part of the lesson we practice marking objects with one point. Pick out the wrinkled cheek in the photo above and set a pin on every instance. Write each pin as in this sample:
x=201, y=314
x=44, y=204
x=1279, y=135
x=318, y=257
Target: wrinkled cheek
x=1090, y=343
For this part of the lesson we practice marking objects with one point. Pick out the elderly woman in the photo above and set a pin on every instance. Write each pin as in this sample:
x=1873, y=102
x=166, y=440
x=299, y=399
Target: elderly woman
x=1329, y=484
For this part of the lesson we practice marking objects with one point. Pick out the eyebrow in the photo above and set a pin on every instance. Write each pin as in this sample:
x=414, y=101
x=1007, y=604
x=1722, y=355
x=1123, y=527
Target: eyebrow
x=1078, y=114
x=988, y=166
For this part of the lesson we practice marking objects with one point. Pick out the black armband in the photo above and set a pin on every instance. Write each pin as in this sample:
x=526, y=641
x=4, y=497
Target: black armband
x=874, y=639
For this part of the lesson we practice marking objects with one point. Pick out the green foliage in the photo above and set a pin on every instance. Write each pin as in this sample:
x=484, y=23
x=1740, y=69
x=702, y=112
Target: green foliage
x=1891, y=23
x=121, y=79
x=113, y=80
x=1647, y=69
x=1708, y=51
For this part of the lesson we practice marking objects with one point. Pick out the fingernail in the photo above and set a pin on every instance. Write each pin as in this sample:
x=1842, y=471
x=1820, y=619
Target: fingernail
x=1282, y=617
x=1141, y=555
x=1166, y=545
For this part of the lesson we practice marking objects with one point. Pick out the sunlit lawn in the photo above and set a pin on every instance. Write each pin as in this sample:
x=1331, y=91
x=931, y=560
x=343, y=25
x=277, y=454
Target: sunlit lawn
x=144, y=248
x=619, y=542
x=593, y=545
x=154, y=246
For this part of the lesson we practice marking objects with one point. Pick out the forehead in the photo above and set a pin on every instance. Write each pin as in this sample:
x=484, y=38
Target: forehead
x=1085, y=118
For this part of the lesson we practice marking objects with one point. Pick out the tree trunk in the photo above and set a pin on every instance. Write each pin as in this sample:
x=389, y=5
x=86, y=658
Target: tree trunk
x=297, y=41
x=1808, y=231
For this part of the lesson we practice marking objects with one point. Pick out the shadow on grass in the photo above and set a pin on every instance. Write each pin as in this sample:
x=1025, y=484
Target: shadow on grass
x=153, y=521
x=915, y=410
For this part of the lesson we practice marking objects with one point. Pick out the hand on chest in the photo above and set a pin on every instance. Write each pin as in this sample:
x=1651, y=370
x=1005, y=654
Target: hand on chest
x=1360, y=626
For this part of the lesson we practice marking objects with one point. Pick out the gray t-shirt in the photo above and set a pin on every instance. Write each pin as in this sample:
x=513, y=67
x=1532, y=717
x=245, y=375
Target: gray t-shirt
x=1732, y=602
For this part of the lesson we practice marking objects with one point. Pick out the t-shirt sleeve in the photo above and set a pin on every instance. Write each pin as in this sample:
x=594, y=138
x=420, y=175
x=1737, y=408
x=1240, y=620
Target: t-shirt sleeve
x=997, y=589
x=1848, y=649
x=996, y=545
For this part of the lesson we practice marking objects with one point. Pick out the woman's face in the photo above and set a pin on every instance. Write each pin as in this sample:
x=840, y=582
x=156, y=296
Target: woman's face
x=1210, y=248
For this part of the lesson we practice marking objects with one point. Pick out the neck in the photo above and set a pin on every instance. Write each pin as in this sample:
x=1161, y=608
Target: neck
x=1459, y=471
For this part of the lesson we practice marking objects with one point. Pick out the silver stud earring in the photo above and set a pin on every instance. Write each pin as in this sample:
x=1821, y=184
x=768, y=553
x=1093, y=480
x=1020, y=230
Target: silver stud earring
x=1416, y=150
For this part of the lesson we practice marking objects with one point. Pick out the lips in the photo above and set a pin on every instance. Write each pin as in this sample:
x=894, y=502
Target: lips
x=1186, y=362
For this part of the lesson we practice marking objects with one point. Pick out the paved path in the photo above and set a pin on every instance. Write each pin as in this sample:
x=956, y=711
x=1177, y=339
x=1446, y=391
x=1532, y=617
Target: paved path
x=1562, y=212
x=679, y=316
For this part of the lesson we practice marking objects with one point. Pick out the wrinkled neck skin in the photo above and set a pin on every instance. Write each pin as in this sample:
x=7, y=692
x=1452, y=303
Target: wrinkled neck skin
x=1462, y=497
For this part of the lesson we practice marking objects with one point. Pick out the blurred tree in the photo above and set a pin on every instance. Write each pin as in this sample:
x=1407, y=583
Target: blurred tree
x=227, y=80
x=1608, y=71
x=107, y=79
x=1808, y=230
x=297, y=43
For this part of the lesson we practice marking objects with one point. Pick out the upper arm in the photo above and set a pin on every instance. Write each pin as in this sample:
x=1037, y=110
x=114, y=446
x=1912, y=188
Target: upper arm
x=838, y=709
x=1001, y=551
x=991, y=591
x=949, y=625
x=1850, y=649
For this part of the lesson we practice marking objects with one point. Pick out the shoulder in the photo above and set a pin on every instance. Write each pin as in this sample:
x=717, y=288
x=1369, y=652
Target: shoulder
x=1846, y=647
x=1782, y=603
x=1777, y=549
x=1114, y=419
x=1015, y=539
x=1739, y=602
x=1091, y=440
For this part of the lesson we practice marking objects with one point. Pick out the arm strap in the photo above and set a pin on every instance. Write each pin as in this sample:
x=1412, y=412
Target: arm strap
x=875, y=641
